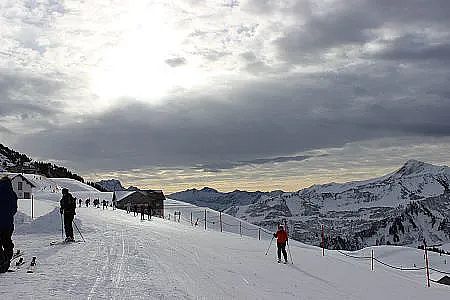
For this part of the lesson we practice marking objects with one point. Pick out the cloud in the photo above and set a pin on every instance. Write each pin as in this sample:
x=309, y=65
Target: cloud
x=351, y=25
x=219, y=166
x=268, y=80
x=413, y=48
x=25, y=95
x=176, y=62
x=269, y=118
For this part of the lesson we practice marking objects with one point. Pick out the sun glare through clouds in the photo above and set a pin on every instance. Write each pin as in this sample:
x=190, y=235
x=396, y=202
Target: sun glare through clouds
x=138, y=66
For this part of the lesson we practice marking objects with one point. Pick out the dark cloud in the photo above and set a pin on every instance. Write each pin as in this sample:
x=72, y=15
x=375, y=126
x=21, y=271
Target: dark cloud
x=25, y=96
x=261, y=119
x=412, y=47
x=176, y=62
x=219, y=166
x=305, y=43
x=357, y=23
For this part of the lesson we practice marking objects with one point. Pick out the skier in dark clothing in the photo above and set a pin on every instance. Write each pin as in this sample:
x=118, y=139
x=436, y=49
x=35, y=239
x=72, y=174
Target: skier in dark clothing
x=104, y=204
x=135, y=211
x=8, y=208
x=149, y=212
x=80, y=202
x=282, y=239
x=142, y=213
x=68, y=205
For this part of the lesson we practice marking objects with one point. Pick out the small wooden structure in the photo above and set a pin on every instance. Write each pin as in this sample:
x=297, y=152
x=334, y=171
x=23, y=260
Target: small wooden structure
x=153, y=199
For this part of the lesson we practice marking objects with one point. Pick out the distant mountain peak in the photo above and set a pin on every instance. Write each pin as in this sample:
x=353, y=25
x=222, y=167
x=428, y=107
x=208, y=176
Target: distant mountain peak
x=111, y=185
x=414, y=166
x=208, y=189
x=413, y=163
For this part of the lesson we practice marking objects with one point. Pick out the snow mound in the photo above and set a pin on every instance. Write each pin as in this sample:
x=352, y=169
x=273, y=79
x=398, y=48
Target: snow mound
x=49, y=223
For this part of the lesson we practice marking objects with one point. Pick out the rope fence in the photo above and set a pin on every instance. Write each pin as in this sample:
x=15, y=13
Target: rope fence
x=373, y=259
x=209, y=219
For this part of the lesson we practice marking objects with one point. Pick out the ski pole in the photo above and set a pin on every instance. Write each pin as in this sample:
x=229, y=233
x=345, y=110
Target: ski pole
x=270, y=245
x=78, y=231
x=62, y=227
x=289, y=249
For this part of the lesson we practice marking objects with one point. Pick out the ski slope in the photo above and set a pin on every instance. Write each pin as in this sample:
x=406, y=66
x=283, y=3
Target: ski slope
x=125, y=258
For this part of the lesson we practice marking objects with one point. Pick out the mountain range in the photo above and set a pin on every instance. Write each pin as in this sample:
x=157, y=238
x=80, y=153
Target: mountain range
x=405, y=207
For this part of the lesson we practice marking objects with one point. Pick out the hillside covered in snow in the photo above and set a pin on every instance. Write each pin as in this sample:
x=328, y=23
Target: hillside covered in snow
x=401, y=208
x=127, y=258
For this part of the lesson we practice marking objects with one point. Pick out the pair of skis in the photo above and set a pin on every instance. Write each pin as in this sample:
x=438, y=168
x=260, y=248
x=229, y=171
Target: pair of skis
x=54, y=243
x=20, y=262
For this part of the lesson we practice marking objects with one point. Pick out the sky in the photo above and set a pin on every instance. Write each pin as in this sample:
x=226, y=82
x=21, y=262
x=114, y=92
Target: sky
x=248, y=94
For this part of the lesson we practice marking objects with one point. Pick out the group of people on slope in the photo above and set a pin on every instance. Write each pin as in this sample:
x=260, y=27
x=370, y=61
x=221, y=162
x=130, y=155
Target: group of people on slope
x=8, y=208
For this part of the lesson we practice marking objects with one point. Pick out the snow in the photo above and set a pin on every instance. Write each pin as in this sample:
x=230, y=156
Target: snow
x=125, y=258
x=73, y=185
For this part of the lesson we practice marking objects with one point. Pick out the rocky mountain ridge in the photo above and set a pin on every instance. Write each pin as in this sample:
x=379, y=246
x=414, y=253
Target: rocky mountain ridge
x=111, y=185
x=402, y=208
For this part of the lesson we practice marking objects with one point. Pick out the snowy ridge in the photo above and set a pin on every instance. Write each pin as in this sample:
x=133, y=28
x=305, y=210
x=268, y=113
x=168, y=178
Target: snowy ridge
x=357, y=214
x=74, y=185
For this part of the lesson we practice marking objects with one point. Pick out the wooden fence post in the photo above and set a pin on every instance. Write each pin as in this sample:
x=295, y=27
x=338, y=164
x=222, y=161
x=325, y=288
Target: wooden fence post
x=372, y=259
x=240, y=228
x=220, y=219
x=191, y=218
x=32, y=207
x=259, y=233
x=323, y=242
x=205, y=219
x=426, y=263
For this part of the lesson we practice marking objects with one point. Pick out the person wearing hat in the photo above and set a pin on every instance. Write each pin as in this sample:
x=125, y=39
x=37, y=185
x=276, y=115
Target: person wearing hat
x=282, y=238
x=8, y=208
x=68, y=205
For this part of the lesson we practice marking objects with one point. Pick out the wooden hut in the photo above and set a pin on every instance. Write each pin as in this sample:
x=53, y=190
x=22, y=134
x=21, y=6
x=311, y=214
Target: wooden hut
x=148, y=198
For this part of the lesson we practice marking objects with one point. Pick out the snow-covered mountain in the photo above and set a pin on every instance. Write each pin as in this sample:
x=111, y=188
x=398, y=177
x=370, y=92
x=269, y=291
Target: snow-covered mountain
x=401, y=208
x=112, y=185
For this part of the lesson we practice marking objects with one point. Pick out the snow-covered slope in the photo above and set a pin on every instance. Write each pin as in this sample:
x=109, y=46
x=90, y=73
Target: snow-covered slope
x=73, y=185
x=356, y=214
x=125, y=258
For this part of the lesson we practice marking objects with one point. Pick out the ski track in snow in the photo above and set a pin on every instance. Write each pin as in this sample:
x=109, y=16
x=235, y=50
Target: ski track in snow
x=124, y=258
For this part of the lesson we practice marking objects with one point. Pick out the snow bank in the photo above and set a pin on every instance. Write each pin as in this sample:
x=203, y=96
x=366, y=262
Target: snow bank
x=49, y=223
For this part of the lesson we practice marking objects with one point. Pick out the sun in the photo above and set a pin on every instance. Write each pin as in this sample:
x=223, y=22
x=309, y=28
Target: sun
x=137, y=66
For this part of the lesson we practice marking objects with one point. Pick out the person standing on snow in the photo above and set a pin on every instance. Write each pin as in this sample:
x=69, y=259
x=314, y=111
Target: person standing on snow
x=8, y=208
x=68, y=205
x=282, y=239
x=142, y=213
